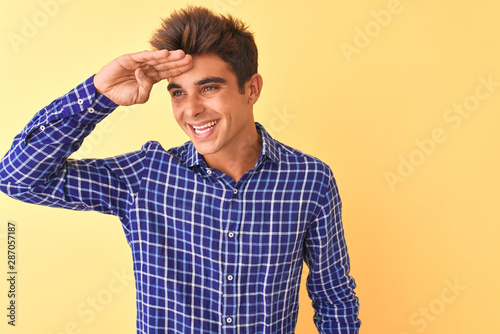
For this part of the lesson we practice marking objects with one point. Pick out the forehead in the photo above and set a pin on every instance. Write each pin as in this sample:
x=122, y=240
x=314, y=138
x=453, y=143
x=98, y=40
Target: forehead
x=205, y=66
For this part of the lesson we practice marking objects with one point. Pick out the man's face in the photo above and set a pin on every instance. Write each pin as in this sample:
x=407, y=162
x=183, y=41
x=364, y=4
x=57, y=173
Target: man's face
x=210, y=108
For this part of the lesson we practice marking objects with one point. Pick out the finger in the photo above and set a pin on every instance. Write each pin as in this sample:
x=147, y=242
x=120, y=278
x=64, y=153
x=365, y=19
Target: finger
x=170, y=73
x=160, y=72
x=147, y=55
x=157, y=56
x=162, y=66
x=164, y=71
x=174, y=56
x=152, y=73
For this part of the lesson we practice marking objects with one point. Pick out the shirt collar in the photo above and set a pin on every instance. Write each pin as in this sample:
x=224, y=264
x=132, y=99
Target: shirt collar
x=193, y=158
x=269, y=145
x=270, y=150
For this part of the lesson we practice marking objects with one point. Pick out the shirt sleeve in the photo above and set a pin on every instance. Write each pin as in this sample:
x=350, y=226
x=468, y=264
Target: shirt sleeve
x=329, y=285
x=37, y=170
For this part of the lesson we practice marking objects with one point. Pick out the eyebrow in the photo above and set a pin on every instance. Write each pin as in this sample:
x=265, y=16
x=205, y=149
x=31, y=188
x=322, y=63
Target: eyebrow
x=211, y=80
x=199, y=83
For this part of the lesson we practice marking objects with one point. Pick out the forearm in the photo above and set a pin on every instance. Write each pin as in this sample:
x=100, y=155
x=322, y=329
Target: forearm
x=331, y=289
x=337, y=309
x=329, y=283
x=56, y=131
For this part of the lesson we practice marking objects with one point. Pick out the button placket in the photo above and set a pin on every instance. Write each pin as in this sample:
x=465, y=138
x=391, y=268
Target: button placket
x=231, y=250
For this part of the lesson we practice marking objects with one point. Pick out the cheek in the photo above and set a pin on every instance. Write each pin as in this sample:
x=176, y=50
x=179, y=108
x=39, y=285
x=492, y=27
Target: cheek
x=177, y=115
x=214, y=104
x=177, y=110
x=224, y=105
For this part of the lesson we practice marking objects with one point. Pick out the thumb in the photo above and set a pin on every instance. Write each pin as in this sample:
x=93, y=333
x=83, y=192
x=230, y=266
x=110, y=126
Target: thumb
x=145, y=85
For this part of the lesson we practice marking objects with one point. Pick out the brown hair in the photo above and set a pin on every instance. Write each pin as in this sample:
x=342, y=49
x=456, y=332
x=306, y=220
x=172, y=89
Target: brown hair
x=197, y=30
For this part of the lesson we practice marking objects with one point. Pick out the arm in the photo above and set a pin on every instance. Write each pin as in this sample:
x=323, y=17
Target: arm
x=37, y=170
x=329, y=285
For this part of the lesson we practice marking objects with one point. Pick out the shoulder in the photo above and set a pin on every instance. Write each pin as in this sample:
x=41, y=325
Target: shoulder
x=295, y=159
x=290, y=158
x=155, y=150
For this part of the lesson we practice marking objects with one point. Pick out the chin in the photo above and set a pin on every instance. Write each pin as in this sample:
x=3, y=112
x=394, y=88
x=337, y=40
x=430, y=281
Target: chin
x=204, y=149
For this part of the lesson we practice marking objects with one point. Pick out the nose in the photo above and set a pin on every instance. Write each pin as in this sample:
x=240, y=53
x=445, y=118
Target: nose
x=194, y=106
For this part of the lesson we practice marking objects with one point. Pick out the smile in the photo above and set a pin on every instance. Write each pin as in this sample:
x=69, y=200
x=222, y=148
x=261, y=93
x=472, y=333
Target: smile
x=204, y=128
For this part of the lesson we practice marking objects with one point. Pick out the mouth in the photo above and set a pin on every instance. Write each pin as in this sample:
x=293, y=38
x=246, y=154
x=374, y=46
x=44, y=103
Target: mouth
x=204, y=130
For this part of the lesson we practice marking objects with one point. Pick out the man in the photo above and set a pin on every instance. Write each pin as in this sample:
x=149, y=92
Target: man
x=220, y=226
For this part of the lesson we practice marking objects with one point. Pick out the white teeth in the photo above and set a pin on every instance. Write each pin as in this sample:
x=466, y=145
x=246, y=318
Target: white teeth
x=204, y=128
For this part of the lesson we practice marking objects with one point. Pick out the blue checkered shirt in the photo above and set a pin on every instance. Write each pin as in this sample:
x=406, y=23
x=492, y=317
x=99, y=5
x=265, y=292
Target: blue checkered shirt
x=210, y=255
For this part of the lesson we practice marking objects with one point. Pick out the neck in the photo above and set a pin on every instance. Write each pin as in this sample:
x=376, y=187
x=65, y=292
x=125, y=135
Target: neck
x=239, y=160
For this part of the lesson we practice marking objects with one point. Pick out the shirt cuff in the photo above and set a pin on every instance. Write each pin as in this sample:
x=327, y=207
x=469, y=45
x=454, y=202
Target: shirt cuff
x=85, y=105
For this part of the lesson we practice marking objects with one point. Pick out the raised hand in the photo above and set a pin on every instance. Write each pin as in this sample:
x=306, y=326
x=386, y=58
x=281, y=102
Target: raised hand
x=128, y=79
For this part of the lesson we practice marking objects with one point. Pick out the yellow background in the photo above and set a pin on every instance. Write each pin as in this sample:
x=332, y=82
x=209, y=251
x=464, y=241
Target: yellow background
x=367, y=92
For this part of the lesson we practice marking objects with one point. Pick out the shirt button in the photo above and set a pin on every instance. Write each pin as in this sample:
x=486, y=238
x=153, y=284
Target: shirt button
x=231, y=234
x=80, y=101
x=42, y=127
x=209, y=171
x=229, y=320
x=235, y=191
x=230, y=277
x=91, y=110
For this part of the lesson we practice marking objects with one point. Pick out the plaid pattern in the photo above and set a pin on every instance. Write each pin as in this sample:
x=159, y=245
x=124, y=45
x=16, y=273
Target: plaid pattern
x=210, y=255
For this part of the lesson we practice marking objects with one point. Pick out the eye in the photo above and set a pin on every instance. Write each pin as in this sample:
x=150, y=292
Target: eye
x=177, y=93
x=210, y=88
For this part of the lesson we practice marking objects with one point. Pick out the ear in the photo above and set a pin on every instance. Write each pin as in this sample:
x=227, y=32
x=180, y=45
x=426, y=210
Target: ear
x=254, y=88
